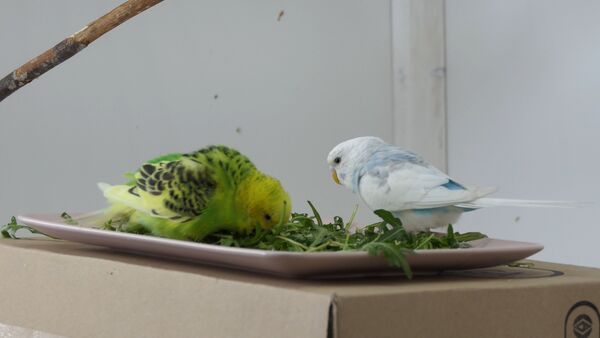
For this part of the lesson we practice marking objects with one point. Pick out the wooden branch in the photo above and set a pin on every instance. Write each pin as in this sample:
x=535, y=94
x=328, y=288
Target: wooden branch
x=71, y=45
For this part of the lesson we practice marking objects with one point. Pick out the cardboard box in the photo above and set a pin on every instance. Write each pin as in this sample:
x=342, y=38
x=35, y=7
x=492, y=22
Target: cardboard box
x=76, y=290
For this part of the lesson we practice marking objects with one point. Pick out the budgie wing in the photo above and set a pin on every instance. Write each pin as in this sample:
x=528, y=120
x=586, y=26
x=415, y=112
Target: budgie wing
x=178, y=189
x=401, y=185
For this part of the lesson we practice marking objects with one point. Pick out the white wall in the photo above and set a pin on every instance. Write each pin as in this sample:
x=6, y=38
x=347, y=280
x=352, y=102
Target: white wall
x=294, y=88
x=524, y=115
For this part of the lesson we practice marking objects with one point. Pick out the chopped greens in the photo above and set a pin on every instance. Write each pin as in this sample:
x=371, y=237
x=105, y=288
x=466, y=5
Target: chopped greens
x=304, y=233
x=308, y=233
x=68, y=219
x=10, y=230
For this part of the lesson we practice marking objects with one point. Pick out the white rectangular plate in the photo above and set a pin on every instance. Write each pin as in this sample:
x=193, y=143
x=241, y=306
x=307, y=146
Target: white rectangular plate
x=483, y=253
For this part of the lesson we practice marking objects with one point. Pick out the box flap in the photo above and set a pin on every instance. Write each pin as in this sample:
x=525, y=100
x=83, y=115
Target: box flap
x=77, y=290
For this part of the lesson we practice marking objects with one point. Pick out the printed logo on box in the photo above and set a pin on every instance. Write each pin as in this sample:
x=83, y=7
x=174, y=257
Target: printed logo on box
x=582, y=321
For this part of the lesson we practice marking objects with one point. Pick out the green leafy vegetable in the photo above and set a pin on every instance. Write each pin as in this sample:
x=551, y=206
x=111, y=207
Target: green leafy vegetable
x=304, y=233
x=68, y=219
x=10, y=230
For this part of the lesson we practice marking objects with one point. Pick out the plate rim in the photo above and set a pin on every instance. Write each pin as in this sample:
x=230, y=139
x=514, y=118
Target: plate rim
x=34, y=220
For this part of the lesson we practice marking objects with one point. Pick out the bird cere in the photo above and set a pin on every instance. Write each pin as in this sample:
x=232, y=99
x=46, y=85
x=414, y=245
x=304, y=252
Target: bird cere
x=216, y=195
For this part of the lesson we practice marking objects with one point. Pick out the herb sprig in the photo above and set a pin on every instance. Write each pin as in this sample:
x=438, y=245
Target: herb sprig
x=10, y=230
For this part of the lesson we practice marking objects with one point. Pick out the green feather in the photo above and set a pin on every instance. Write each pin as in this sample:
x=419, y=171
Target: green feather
x=166, y=158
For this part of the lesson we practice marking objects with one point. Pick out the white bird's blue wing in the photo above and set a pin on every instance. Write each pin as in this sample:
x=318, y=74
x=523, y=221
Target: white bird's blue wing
x=393, y=181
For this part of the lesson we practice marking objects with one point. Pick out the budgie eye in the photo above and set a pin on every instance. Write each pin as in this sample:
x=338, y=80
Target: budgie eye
x=267, y=217
x=337, y=160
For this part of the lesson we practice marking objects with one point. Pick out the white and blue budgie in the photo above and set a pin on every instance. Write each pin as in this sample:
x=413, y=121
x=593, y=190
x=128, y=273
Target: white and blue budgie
x=399, y=181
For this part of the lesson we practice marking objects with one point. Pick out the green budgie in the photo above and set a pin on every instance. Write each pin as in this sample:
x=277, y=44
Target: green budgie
x=189, y=196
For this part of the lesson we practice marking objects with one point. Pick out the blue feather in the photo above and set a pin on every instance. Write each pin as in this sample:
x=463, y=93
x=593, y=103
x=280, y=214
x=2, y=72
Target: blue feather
x=387, y=155
x=356, y=176
x=451, y=185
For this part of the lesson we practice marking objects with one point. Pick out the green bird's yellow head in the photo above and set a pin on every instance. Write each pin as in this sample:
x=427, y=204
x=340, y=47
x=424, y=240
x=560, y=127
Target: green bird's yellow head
x=266, y=202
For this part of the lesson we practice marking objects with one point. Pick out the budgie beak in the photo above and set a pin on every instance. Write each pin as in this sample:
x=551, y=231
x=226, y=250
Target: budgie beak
x=335, y=177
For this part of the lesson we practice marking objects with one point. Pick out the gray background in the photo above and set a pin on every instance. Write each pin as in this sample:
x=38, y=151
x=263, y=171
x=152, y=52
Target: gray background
x=523, y=115
x=294, y=88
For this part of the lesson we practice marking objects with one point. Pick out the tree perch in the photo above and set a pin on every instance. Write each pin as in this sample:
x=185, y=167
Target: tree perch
x=71, y=45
